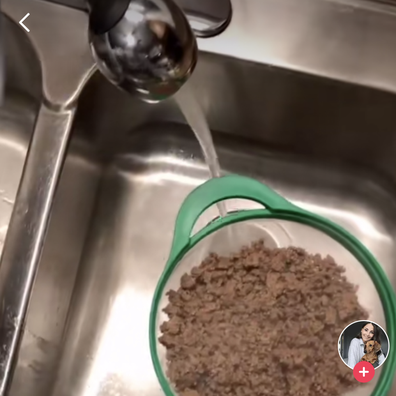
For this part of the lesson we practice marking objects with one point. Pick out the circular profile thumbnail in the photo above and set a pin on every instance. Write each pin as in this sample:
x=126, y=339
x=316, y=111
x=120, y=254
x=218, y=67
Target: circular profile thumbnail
x=363, y=341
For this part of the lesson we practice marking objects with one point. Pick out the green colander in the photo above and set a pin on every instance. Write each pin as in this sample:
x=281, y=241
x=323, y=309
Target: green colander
x=189, y=250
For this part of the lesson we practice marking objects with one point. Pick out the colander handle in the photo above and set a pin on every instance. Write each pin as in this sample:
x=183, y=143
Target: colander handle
x=220, y=189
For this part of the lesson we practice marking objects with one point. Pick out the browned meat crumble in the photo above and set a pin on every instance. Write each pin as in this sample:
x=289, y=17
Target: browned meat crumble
x=262, y=322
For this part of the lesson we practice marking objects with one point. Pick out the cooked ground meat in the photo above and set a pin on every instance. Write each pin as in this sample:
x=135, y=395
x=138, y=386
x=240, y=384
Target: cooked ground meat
x=261, y=322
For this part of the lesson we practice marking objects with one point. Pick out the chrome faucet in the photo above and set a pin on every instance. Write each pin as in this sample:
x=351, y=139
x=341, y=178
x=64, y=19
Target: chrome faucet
x=148, y=47
x=145, y=47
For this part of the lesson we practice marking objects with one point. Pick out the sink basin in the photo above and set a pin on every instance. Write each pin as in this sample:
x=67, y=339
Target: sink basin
x=130, y=165
x=326, y=144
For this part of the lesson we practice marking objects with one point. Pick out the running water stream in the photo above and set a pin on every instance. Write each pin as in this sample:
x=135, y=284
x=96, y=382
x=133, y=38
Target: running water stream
x=273, y=232
x=195, y=117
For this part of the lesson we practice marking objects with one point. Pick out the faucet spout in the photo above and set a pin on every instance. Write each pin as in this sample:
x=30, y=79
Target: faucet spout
x=145, y=47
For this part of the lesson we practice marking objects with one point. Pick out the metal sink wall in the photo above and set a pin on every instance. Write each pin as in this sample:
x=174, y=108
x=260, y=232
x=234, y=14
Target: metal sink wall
x=17, y=115
x=17, y=118
x=329, y=146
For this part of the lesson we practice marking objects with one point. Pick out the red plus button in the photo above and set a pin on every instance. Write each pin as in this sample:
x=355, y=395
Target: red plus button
x=364, y=371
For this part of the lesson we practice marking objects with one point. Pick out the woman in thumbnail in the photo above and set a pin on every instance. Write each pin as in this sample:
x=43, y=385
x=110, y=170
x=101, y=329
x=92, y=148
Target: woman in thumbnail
x=369, y=332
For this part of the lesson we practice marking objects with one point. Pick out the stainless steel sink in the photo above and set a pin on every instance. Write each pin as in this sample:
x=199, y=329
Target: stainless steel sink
x=320, y=130
x=17, y=117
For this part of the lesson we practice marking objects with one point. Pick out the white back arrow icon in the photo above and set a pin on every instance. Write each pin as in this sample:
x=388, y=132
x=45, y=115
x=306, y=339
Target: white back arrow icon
x=21, y=22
